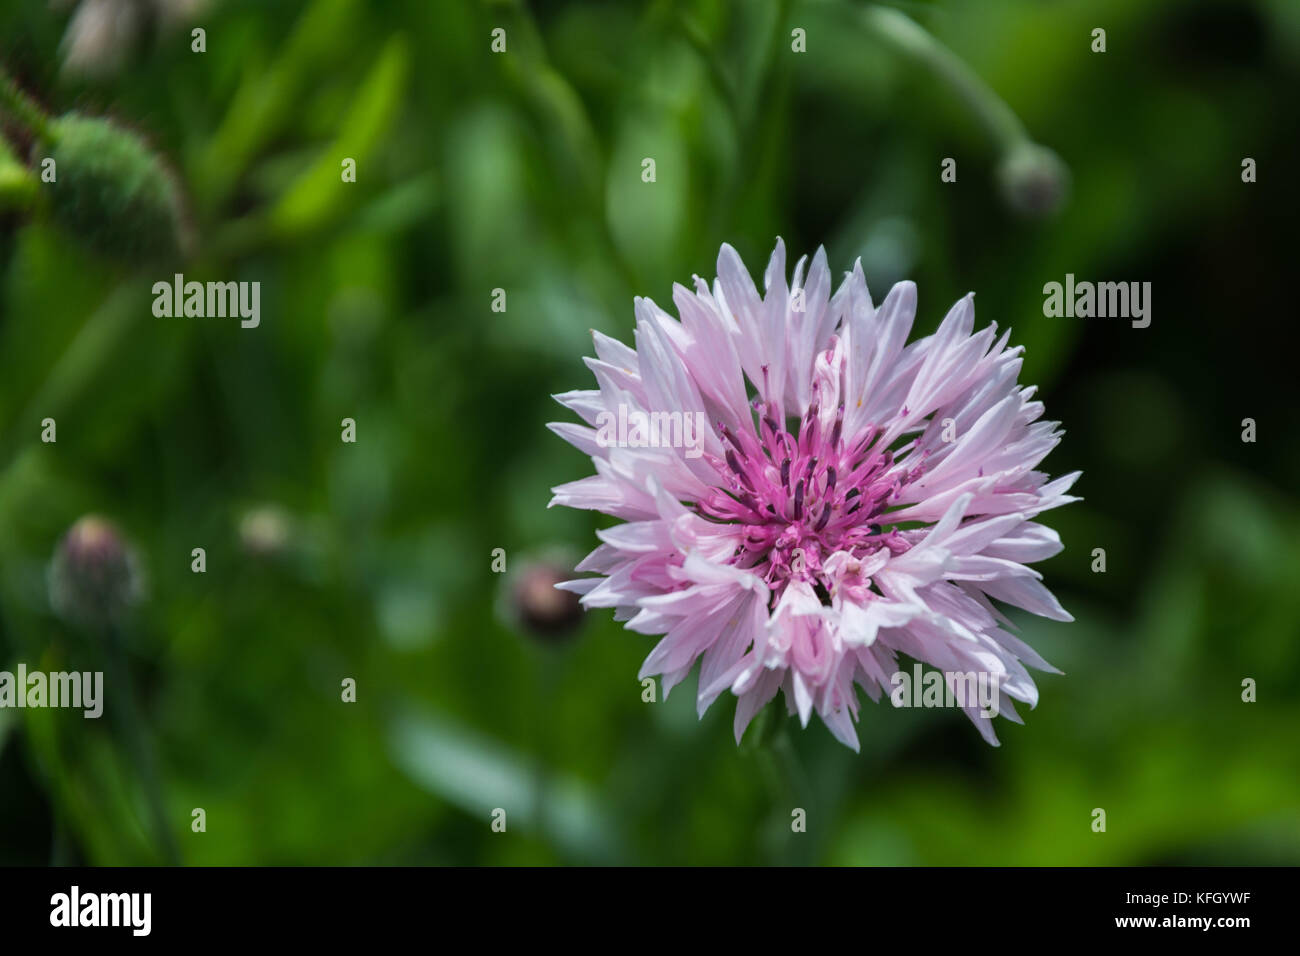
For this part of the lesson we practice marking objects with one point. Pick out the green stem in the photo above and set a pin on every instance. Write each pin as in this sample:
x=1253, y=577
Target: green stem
x=95, y=348
x=22, y=107
x=792, y=769
x=550, y=676
x=784, y=774
x=18, y=185
x=909, y=38
x=774, y=776
x=137, y=742
x=60, y=850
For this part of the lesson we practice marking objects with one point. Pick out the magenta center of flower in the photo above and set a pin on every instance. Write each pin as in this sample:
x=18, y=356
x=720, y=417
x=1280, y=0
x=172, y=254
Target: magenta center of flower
x=803, y=497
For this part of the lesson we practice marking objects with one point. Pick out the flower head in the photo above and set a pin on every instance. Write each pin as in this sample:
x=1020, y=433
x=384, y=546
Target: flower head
x=850, y=497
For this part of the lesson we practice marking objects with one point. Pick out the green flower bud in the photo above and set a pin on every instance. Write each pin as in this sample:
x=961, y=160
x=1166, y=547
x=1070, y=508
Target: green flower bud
x=112, y=192
x=1034, y=179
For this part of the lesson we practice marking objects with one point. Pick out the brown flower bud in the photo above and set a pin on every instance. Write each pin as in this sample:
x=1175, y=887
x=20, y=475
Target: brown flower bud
x=94, y=576
x=542, y=609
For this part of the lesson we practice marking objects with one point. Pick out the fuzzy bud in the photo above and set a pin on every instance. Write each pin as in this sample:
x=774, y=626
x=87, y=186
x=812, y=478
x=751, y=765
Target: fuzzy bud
x=540, y=608
x=112, y=192
x=94, y=576
x=1034, y=180
x=265, y=531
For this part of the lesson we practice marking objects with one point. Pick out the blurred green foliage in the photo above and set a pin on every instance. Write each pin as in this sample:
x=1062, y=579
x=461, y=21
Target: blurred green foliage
x=522, y=171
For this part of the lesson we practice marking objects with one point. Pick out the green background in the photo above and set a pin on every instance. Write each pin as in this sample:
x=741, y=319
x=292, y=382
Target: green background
x=522, y=171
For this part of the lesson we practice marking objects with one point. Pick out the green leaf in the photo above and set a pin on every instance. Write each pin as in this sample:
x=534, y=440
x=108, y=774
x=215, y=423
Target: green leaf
x=320, y=194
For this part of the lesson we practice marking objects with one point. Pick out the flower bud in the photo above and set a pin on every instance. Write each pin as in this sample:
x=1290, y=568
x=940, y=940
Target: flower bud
x=112, y=192
x=100, y=35
x=1034, y=179
x=265, y=531
x=540, y=608
x=94, y=576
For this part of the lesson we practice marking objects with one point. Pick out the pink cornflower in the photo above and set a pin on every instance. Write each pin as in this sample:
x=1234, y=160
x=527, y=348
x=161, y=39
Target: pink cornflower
x=846, y=498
